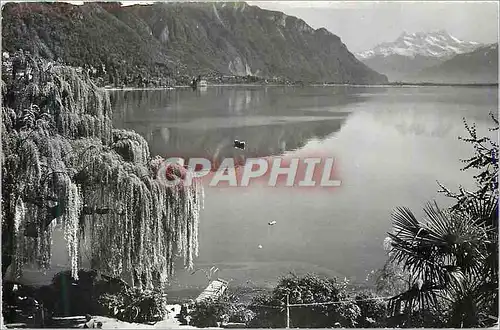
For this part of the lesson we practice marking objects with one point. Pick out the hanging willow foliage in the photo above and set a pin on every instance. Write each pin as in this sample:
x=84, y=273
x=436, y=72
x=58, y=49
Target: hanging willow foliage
x=62, y=160
x=149, y=220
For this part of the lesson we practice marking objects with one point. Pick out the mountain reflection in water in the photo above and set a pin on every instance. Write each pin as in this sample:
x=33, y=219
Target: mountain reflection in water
x=271, y=120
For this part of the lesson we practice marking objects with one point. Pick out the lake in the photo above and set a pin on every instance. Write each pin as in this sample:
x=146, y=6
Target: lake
x=390, y=145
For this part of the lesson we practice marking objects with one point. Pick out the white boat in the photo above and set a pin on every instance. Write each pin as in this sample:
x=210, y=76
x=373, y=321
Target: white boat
x=203, y=83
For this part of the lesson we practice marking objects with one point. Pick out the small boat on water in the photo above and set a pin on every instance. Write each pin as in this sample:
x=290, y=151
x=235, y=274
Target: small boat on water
x=203, y=83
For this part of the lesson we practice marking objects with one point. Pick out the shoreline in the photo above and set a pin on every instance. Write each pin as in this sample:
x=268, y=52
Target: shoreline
x=409, y=85
x=393, y=85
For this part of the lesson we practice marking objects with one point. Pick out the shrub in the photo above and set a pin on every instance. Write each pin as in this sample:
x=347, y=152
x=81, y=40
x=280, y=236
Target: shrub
x=209, y=312
x=373, y=312
x=240, y=314
x=97, y=294
x=310, y=288
x=134, y=305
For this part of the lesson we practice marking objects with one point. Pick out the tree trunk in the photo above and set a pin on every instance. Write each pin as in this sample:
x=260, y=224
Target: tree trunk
x=7, y=233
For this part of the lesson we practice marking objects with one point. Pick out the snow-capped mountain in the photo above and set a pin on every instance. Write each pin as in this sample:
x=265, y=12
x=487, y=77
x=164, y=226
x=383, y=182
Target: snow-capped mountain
x=432, y=44
x=411, y=53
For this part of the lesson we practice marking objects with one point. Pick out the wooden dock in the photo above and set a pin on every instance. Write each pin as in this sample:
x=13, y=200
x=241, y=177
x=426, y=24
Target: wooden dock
x=214, y=290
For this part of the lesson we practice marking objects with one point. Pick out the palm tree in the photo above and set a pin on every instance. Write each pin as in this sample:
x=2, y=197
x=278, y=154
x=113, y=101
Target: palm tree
x=451, y=265
x=451, y=256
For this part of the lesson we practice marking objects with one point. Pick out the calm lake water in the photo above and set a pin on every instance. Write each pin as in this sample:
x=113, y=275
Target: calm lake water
x=390, y=146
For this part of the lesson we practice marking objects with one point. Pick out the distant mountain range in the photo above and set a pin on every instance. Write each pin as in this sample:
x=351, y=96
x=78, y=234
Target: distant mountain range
x=124, y=45
x=410, y=56
x=478, y=66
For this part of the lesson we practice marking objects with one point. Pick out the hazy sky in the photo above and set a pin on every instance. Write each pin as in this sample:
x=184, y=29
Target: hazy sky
x=363, y=24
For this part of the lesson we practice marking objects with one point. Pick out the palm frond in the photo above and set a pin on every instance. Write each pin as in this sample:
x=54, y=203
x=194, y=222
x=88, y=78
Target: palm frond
x=441, y=254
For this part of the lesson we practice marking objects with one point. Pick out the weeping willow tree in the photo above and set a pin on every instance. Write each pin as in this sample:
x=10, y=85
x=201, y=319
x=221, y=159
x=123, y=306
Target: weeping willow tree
x=64, y=166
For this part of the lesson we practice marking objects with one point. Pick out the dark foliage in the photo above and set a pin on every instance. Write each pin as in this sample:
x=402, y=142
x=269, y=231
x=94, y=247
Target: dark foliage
x=373, y=310
x=97, y=294
x=209, y=313
x=310, y=288
x=66, y=296
x=214, y=312
x=134, y=305
x=22, y=305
